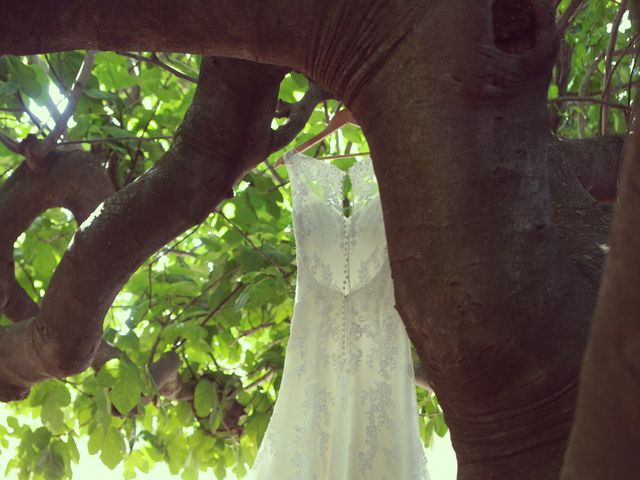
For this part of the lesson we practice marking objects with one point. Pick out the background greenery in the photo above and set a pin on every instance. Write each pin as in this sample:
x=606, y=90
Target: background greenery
x=220, y=295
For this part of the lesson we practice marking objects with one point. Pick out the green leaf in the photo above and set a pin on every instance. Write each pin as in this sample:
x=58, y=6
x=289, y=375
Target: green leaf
x=74, y=454
x=126, y=385
x=52, y=414
x=177, y=450
x=113, y=448
x=205, y=398
x=41, y=438
x=103, y=407
x=256, y=426
x=440, y=427
x=26, y=77
x=9, y=88
x=13, y=423
x=50, y=464
x=95, y=441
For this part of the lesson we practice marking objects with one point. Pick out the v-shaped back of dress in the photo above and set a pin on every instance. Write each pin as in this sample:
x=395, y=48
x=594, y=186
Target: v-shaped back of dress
x=346, y=408
x=342, y=253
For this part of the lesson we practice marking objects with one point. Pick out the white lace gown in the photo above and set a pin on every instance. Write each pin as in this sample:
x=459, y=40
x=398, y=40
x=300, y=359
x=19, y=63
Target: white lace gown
x=346, y=409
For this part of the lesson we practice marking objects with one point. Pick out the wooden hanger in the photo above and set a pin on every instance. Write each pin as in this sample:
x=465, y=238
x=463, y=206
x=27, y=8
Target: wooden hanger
x=339, y=120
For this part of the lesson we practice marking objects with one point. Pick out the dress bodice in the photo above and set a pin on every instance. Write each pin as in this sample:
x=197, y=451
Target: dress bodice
x=342, y=253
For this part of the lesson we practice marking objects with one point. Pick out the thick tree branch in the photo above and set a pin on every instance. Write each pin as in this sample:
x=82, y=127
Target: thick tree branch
x=209, y=27
x=582, y=174
x=316, y=38
x=74, y=180
x=595, y=162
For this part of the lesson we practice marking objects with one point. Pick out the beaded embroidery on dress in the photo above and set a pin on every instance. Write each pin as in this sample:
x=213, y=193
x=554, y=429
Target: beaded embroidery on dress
x=346, y=408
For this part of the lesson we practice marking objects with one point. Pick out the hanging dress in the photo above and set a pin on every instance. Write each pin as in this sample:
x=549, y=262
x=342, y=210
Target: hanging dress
x=346, y=408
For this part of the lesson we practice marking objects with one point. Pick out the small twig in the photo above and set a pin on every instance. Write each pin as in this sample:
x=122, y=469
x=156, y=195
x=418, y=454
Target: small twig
x=36, y=121
x=258, y=381
x=339, y=119
x=273, y=171
x=9, y=143
x=56, y=77
x=253, y=245
x=150, y=281
x=588, y=100
x=215, y=362
x=78, y=389
x=178, y=64
x=49, y=143
x=280, y=185
x=156, y=342
x=608, y=69
x=154, y=60
x=186, y=362
x=32, y=283
x=346, y=155
x=116, y=139
x=567, y=16
x=631, y=83
x=50, y=105
x=253, y=330
x=222, y=303
x=8, y=170
x=138, y=152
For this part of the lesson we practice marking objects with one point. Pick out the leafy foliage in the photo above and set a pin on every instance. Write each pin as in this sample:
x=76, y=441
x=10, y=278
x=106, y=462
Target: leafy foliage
x=221, y=295
x=592, y=75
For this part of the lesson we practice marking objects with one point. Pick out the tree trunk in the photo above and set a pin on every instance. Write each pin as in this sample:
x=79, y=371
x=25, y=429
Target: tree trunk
x=456, y=120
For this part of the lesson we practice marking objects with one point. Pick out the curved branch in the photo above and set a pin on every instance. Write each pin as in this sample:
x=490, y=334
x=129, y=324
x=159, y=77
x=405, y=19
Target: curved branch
x=582, y=173
x=595, y=162
x=74, y=180
x=226, y=131
x=298, y=117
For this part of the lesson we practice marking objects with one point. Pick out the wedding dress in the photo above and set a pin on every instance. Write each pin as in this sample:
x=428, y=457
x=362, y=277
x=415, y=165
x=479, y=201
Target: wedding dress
x=346, y=408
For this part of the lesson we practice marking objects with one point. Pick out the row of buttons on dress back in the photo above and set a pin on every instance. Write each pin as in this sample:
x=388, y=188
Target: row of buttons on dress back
x=346, y=283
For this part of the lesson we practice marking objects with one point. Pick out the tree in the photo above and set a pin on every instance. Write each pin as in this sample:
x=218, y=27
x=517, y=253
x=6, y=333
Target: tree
x=497, y=229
